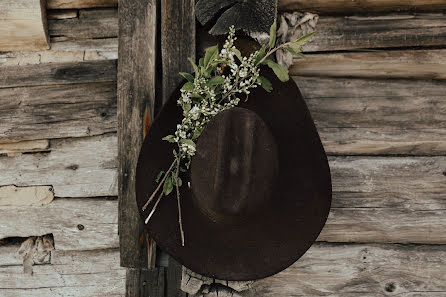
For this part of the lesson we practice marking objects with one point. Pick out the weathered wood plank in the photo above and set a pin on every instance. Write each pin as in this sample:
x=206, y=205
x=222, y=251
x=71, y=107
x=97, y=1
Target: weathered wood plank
x=71, y=273
x=23, y=25
x=384, y=199
x=58, y=74
x=25, y=196
x=360, y=270
x=84, y=167
x=358, y=116
x=350, y=7
x=43, y=112
x=136, y=99
x=24, y=146
x=408, y=64
x=77, y=224
x=177, y=42
x=62, y=14
x=145, y=282
x=64, y=4
x=94, y=23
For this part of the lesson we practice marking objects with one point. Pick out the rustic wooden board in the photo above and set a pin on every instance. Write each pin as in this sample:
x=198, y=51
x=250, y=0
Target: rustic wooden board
x=23, y=25
x=29, y=113
x=71, y=273
x=58, y=74
x=407, y=64
x=77, y=224
x=136, y=99
x=66, y=4
x=25, y=196
x=84, y=167
x=360, y=270
x=24, y=146
x=350, y=7
x=92, y=23
x=62, y=14
x=368, y=116
x=145, y=282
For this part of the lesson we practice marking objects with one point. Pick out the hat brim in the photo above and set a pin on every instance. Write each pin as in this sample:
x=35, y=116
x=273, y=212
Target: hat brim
x=268, y=242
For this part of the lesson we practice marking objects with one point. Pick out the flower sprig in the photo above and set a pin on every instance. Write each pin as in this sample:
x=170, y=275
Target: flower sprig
x=220, y=81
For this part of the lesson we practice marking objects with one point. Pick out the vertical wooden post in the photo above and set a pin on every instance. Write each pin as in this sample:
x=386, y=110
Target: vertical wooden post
x=177, y=44
x=136, y=99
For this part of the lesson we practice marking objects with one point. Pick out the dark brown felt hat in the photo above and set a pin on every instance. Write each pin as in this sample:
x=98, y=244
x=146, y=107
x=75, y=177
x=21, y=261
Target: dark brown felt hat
x=260, y=186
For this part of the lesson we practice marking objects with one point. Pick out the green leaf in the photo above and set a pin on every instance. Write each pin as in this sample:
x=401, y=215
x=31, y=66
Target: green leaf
x=194, y=66
x=201, y=62
x=294, y=52
x=215, y=81
x=265, y=83
x=238, y=54
x=188, y=86
x=260, y=55
x=174, y=178
x=302, y=40
x=186, y=107
x=168, y=186
x=160, y=174
x=210, y=55
x=280, y=71
x=272, y=34
x=169, y=138
x=188, y=76
x=188, y=141
x=197, y=133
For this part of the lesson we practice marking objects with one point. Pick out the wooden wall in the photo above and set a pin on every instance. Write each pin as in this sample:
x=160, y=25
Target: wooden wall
x=375, y=85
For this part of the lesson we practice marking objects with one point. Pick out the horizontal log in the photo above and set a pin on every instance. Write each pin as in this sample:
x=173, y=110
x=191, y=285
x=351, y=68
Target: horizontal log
x=387, y=199
x=360, y=270
x=359, y=116
x=408, y=64
x=24, y=147
x=76, y=224
x=64, y=4
x=25, y=196
x=43, y=112
x=58, y=74
x=69, y=51
x=74, y=274
x=350, y=7
x=23, y=25
x=77, y=167
x=94, y=23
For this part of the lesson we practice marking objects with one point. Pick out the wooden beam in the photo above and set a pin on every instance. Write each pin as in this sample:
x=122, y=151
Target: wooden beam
x=360, y=270
x=23, y=25
x=76, y=224
x=136, y=98
x=71, y=273
x=84, y=167
x=368, y=116
x=24, y=147
x=407, y=64
x=29, y=113
x=58, y=74
x=25, y=196
x=361, y=6
x=66, y=4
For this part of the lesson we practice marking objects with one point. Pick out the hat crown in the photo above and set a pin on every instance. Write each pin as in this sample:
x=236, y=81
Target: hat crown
x=234, y=170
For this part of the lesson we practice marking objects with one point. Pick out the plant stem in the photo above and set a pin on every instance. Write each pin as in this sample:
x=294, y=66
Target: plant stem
x=178, y=200
x=154, y=208
x=273, y=51
x=159, y=185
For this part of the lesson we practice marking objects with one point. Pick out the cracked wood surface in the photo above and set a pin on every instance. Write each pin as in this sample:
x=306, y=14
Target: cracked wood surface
x=25, y=196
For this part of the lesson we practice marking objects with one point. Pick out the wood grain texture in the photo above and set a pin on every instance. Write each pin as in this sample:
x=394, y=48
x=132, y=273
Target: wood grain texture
x=84, y=167
x=23, y=25
x=24, y=147
x=360, y=270
x=362, y=6
x=61, y=14
x=136, y=98
x=145, y=282
x=66, y=4
x=92, y=23
x=177, y=43
x=58, y=74
x=372, y=116
x=407, y=64
x=43, y=112
x=77, y=224
x=71, y=273
x=25, y=196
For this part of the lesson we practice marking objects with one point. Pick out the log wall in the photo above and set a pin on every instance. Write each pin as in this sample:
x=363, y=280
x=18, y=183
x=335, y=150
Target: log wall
x=374, y=85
